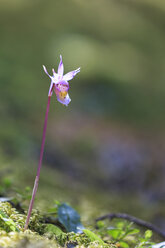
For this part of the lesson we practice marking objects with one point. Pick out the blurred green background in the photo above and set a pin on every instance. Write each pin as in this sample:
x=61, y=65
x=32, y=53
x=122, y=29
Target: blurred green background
x=105, y=151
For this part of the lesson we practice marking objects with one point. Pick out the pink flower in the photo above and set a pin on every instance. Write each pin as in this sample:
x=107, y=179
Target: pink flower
x=59, y=83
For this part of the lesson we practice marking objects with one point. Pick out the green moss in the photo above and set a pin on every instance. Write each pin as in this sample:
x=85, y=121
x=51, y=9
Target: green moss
x=39, y=235
x=10, y=219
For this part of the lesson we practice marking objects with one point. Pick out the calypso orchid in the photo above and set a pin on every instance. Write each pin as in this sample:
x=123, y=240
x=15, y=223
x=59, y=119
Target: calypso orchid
x=59, y=83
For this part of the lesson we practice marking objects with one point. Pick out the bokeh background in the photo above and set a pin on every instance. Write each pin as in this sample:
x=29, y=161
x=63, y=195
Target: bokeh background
x=105, y=152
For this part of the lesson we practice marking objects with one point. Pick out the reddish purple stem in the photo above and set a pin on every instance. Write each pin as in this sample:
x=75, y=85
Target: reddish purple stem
x=39, y=166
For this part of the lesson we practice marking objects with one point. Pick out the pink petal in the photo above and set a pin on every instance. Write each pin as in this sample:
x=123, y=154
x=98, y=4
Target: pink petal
x=45, y=70
x=62, y=86
x=61, y=67
x=70, y=75
x=61, y=90
x=51, y=89
x=65, y=100
x=54, y=73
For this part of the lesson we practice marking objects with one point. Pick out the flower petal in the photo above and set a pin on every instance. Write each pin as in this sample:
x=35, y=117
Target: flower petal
x=64, y=100
x=54, y=73
x=61, y=90
x=61, y=67
x=45, y=70
x=51, y=88
x=55, y=77
x=62, y=86
x=70, y=75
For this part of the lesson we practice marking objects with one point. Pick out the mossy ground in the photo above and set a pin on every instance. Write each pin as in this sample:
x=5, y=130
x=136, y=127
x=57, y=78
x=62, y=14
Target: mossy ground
x=12, y=234
x=90, y=203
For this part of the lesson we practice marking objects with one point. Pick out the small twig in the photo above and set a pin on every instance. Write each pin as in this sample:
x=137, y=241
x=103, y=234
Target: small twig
x=134, y=220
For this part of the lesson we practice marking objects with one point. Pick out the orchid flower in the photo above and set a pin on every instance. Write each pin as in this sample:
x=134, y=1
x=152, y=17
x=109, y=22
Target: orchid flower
x=59, y=83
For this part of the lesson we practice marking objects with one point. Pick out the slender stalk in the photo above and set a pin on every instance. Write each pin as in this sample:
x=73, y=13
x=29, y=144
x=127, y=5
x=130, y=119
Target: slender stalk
x=39, y=166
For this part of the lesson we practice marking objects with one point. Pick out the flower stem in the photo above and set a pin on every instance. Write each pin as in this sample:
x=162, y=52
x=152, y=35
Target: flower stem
x=39, y=166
